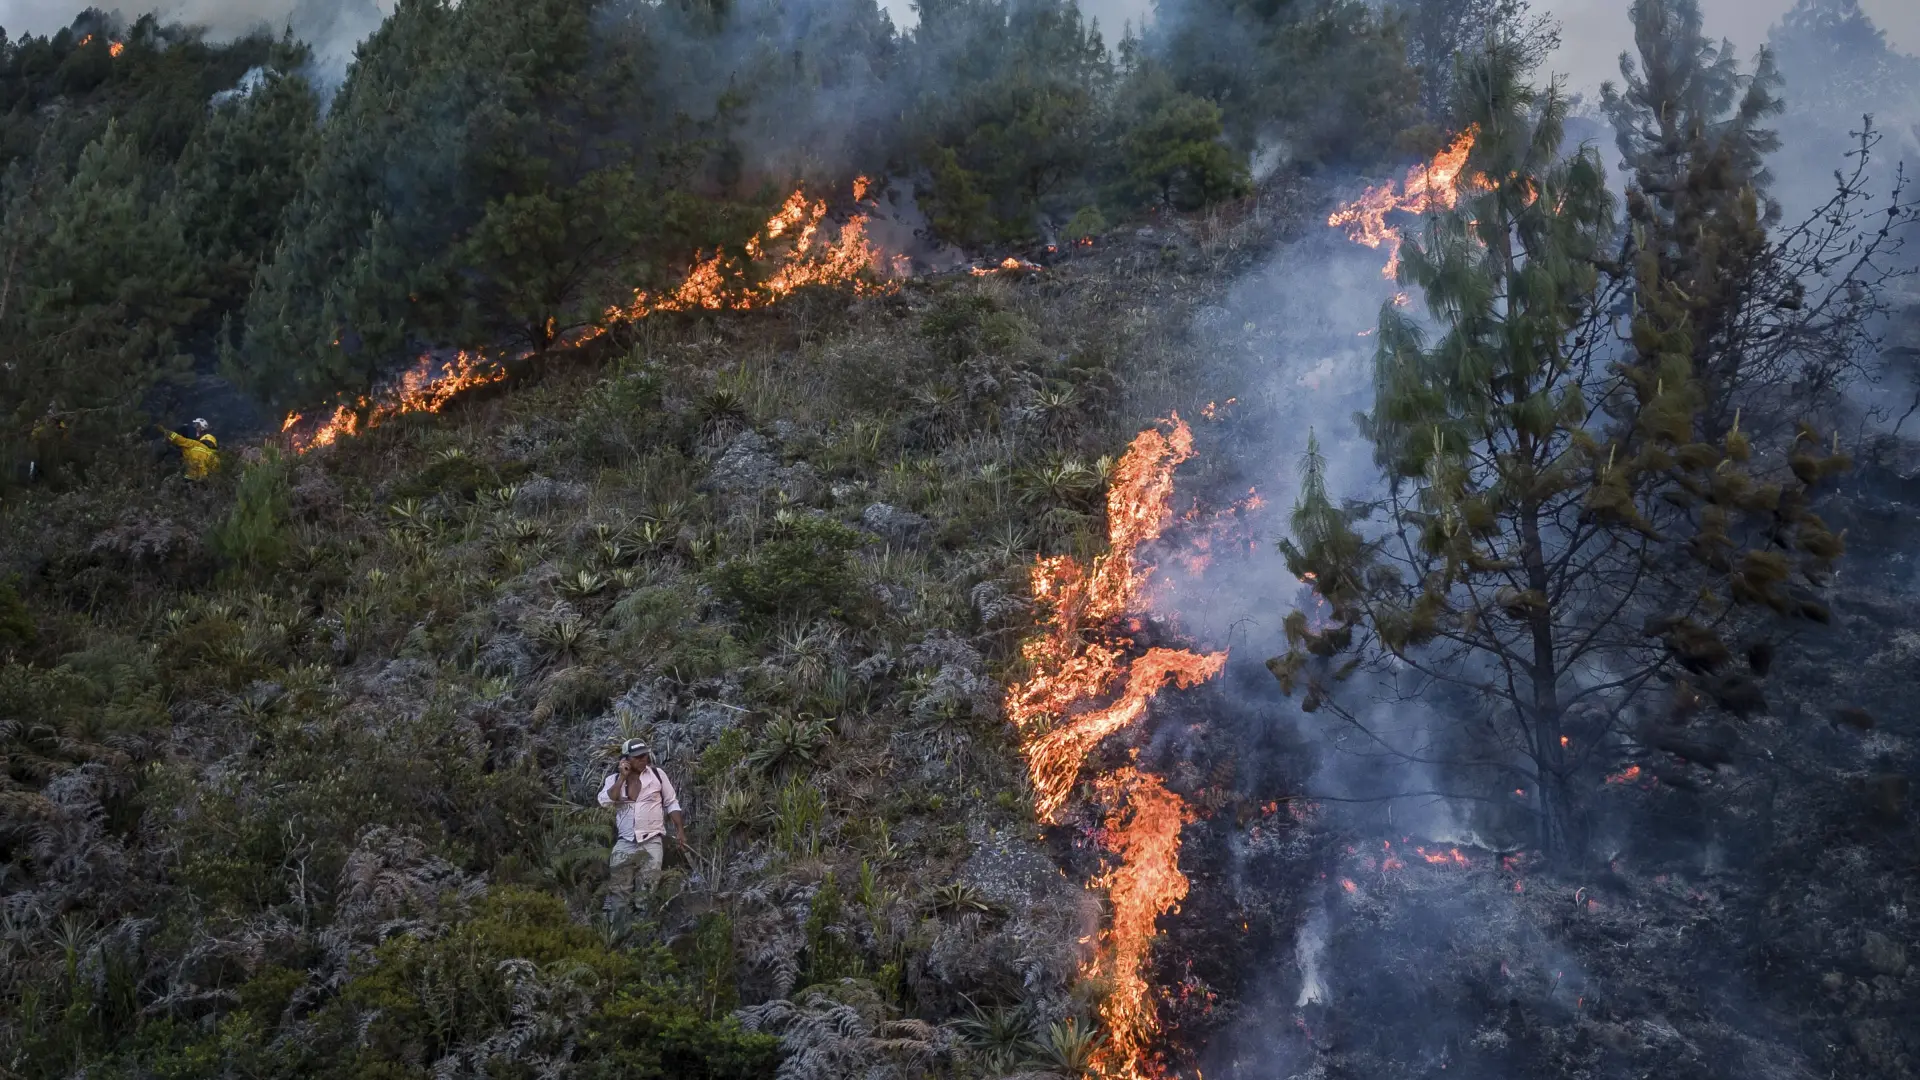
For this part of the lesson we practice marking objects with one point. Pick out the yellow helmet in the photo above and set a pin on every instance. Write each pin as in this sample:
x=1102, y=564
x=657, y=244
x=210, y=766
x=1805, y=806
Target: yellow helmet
x=209, y=440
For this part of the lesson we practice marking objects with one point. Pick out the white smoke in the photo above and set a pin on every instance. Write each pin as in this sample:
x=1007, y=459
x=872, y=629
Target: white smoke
x=1310, y=946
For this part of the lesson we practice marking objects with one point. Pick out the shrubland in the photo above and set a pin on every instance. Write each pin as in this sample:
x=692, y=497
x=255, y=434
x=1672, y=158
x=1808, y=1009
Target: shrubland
x=300, y=761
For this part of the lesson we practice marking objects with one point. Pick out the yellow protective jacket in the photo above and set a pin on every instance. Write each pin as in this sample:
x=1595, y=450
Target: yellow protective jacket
x=199, y=455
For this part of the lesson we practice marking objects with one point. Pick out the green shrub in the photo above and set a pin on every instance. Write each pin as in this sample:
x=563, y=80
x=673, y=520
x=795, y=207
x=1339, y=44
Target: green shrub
x=457, y=476
x=1086, y=223
x=968, y=323
x=805, y=570
x=645, y=1035
x=16, y=622
x=829, y=956
x=420, y=998
x=254, y=533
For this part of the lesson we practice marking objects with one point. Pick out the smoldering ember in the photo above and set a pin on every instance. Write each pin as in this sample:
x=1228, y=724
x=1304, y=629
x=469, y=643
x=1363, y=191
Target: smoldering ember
x=809, y=540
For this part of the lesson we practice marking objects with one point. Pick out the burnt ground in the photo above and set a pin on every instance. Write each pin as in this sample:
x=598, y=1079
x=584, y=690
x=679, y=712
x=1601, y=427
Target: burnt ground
x=1764, y=926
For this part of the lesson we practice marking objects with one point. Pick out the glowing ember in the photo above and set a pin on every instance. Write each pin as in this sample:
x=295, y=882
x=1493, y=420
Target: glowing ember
x=1146, y=884
x=1436, y=184
x=1008, y=265
x=1450, y=857
x=1626, y=776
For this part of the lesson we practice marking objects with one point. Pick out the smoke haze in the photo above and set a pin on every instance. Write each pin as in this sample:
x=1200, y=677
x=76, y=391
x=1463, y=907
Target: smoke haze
x=332, y=27
x=1594, y=31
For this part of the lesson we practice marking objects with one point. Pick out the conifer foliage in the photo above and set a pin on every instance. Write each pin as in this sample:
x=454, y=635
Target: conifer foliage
x=1567, y=536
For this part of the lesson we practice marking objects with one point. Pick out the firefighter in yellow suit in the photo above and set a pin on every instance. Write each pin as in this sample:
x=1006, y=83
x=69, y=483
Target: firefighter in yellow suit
x=200, y=454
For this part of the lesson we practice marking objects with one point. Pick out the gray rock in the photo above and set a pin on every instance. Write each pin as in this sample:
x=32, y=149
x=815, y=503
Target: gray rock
x=1011, y=871
x=545, y=493
x=679, y=735
x=745, y=466
x=1877, y=1041
x=1883, y=954
x=798, y=481
x=896, y=525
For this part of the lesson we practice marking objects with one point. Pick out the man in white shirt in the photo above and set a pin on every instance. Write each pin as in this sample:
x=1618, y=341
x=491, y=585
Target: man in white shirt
x=645, y=806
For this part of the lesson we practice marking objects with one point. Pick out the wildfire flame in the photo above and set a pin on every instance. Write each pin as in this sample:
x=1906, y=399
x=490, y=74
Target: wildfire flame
x=1436, y=184
x=1054, y=759
x=420, y=389
x=805, y=257
x=115, y=48
x=717, y=283
x=1146, y=883
x=1076, y=660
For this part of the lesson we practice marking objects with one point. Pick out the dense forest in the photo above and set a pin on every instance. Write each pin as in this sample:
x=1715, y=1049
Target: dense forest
x=487, y=172
x=1599, y=544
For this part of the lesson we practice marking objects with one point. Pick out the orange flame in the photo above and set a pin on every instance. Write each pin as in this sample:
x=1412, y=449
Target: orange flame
x=1008, y=265
x=1626, y=776
x=1067, y=668
x=1436, y=184
x=419, y=389
x=1146, y=884
x=1054, y=759
x=715, y=283
x=712, y=284
x=115, y=48
x=1076, y=660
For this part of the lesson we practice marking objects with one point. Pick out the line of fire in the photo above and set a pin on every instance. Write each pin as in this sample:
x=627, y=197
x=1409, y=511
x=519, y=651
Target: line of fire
x=1103, y=657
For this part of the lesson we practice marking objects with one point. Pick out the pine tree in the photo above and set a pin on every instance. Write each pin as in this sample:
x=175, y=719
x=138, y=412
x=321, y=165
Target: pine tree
x=1557, y=539
x=492, y=172
x=1330, y=79
x=1172, y=146
x=105, y=282
x=1441, y=32
x=1840, y=62
x=1009, y=97
x=241, y=170
x=1688, y=123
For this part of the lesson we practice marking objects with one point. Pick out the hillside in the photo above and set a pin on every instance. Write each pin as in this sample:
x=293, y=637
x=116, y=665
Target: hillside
x=1265, y=551
x=358, y=723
